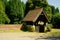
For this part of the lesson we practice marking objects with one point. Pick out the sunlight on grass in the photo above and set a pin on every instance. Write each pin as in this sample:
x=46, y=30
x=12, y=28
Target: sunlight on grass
x=10, y=31
x=20, y=31
x=54, y=32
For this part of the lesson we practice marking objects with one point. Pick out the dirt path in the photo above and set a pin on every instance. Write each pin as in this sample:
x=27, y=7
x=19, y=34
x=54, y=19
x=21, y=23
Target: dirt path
x=18, y=36
x=48, y=37
x=27, y=36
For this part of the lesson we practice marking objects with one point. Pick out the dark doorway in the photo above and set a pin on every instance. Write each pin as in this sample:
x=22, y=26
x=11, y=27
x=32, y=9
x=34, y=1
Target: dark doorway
x=41, y=28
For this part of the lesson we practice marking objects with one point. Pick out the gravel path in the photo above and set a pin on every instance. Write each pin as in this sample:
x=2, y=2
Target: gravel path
x=27, y=36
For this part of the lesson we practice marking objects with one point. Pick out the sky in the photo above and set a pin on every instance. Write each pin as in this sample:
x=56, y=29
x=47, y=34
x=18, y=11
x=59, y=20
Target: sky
x=55, y=3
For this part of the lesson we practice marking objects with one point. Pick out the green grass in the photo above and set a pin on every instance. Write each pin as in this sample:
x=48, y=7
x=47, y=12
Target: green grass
x=54, y=32
x=10, y=31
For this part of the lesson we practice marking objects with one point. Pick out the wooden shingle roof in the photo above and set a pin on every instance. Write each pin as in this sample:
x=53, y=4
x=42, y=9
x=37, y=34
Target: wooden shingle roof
x=33, y=15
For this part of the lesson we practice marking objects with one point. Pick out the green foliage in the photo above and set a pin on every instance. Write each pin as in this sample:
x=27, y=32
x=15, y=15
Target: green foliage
x=56, y=20
x=31, y=28
x=56, y=10
x=53, y=10
x=24, y=27
x=15, y=11
x=3, y=17
x=4, y=2
x=48, y=11
x=55, y=17
x=48, y=27
x=37, y=3
x=22, y=9
x=31, y=4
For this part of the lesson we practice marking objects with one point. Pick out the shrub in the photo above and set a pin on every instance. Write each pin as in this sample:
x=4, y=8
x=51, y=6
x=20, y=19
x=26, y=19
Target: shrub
x=48, y=27
x=31, y=28
x=24, y=27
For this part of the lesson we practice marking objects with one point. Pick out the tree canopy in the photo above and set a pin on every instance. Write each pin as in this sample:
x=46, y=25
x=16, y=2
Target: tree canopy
x=15, y=11
x=3, y=17
x=56, y=20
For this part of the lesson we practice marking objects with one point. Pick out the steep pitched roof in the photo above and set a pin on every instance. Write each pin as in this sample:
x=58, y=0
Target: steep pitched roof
x=33, y=15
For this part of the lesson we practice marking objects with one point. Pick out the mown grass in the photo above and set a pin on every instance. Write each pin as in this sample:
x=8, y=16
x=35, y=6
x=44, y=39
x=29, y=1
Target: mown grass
x=11, y=31
x=54, y=32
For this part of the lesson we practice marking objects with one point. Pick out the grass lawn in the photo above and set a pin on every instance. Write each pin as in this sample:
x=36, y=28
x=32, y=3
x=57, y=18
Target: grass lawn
x=54, y=32
x=10, y=31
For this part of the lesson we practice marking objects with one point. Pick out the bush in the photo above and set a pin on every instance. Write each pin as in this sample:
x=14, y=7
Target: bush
x=31, y=28
x=24, y=27
x=48, y=27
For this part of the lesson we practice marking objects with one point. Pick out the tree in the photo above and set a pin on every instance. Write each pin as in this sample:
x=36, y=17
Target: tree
x=4, y=2
x=22, y=9
x=53, y=10
x=31, y=4
x=48, y=11
x=56, y=20
x=56, y=10
x=3, y=17
x=15, y=11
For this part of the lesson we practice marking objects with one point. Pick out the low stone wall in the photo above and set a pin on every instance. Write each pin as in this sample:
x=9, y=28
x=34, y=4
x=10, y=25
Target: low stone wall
x=11, y=27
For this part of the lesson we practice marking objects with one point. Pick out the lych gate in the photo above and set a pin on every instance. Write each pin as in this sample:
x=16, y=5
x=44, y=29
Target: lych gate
x=36, y=17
